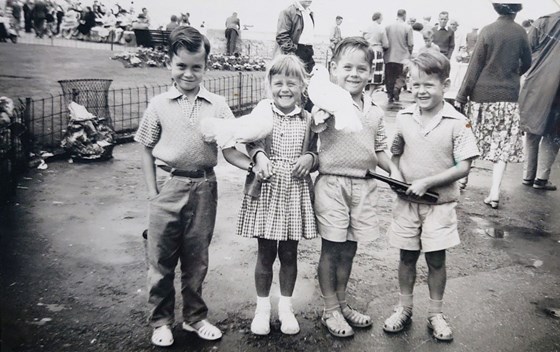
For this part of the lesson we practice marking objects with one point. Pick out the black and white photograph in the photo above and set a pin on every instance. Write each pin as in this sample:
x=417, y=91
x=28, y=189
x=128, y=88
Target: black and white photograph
x=291, y=175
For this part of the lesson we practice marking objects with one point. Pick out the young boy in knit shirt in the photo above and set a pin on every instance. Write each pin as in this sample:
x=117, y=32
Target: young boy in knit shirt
x=178, y=169
x=345, y=200
x=433, y=148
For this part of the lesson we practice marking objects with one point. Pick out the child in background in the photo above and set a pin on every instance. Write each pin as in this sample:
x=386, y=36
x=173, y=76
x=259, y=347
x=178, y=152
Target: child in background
x=183, y=196
x=345, y=200
x=281, y=213
x=429, y=45
x=433, y=147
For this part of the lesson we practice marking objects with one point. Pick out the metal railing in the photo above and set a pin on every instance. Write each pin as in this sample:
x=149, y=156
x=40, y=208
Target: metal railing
x=43, y=121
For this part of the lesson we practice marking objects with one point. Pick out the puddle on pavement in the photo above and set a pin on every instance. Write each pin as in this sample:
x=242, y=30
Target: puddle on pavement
x=531, y=248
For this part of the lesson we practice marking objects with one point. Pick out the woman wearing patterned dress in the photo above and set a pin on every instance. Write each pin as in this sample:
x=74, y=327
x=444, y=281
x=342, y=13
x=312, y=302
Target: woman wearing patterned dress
x=491, y=87
x=281, y=212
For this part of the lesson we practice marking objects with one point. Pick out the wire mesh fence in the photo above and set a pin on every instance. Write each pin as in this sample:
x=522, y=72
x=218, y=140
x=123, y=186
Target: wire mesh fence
x=42, y=122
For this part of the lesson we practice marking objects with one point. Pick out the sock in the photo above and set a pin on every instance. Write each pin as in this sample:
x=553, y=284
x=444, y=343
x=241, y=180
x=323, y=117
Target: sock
x=435, y=307
x=285, y=303
x=341, y=296
x=331, y=303
x=406, y=301
x=263, y=302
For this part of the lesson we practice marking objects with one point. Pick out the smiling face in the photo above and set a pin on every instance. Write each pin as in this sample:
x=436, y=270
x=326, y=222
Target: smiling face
x=427, y=90
x=352, y=71
x=188, y=69
x=286, y=92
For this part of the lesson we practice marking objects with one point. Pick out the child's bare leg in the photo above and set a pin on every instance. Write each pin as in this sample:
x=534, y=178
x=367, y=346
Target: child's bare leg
x=437, y=274
x=347, y=252
x=437, y=278
x=266, y=256
x=407, y=271
x=407, y=277
x=287, y=253
x=328, y=264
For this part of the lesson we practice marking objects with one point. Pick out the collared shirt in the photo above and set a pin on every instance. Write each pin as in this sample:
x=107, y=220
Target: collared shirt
x=308, y=34
x=352, y=154
x=171, y=126
x=427, y=150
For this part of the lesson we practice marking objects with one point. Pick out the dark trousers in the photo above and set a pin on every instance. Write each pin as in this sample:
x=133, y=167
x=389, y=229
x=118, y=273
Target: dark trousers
x=393, y=79
x=231, y=36
x=305, y=53
x=181, y=224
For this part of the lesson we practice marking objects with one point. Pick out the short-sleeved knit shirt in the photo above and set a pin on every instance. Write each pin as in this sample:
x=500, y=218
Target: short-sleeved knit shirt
x=171, y=126
x=352, y=154
x=427, y=151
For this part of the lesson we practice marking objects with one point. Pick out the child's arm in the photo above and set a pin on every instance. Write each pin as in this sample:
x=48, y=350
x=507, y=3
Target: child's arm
x=237, y=158
x=388, y=165
x=460, y=170
x=149, y=168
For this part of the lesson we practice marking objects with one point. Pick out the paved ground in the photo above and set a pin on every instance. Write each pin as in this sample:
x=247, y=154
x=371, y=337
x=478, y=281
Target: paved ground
x=73, y=269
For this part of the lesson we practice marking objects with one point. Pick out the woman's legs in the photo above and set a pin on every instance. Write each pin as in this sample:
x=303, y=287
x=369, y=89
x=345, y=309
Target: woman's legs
x=497, y=176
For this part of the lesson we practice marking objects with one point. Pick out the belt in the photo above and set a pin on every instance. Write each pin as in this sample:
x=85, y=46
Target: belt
x=188, y=173
x=306, y=45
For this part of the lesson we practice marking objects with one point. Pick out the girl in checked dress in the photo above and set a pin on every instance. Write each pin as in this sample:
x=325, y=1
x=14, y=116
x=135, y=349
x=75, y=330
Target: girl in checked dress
x=280, y=213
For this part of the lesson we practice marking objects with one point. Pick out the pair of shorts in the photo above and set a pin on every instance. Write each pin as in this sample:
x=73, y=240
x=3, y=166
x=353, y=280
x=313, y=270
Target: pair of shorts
x=424, y=227
x=346, y=208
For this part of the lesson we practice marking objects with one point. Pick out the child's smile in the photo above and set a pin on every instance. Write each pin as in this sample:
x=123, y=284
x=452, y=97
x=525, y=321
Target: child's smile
x=286, y=92
x=427, y=90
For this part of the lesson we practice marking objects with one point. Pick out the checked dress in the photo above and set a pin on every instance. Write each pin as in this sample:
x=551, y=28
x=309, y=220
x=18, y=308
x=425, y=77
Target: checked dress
x=284, y=210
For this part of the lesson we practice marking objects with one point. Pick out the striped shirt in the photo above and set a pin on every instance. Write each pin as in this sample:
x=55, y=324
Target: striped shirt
x=171, y=126
x=429, y=150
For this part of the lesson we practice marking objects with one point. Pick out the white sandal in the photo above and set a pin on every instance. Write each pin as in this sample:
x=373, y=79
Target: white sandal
x=261, y=322
x=162, y=336
x=205, y=331
x=289, y=324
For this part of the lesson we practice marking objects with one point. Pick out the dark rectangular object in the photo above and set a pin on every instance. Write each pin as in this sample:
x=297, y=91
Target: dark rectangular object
x=401, y=187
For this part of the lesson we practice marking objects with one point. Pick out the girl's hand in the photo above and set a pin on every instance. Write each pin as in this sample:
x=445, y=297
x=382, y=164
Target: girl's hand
x=319, y=115
x=263, y=167
x=303, y=166
x=418, y=187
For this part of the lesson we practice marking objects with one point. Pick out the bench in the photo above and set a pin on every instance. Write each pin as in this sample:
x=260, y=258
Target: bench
x=152, y=38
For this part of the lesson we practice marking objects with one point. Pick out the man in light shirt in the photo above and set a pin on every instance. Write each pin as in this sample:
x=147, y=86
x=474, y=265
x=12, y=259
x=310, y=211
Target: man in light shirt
x=295, y=32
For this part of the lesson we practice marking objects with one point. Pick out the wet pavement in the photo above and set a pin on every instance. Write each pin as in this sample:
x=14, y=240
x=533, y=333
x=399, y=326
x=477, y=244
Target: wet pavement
x=73, y=269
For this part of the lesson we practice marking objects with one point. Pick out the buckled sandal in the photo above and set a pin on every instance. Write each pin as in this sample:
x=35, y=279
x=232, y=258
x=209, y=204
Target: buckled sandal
x=355, y=318
x=400, y=318
x=205, y=330
x=440, y=327
x=162, y=336
x=336, y=324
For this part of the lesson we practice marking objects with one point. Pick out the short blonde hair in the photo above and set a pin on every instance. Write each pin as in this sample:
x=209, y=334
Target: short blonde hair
x=288, y=65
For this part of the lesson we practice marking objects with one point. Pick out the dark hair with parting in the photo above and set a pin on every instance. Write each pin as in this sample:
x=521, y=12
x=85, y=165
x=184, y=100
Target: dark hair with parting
x=507, y=8
x=376, y=16
x=431, y=63
x=353, y=43
x=188, y=38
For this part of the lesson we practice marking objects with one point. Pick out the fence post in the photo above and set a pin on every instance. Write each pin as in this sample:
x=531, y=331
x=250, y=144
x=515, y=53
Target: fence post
x=26, y=136
x=240, y=90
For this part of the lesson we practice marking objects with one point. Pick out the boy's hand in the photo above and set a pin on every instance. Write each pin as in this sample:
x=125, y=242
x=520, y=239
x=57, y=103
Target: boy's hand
x=396, y=174
x=418, y=187
x=303, y=166
x=263, y=167
x=319, y=116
